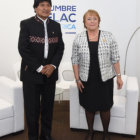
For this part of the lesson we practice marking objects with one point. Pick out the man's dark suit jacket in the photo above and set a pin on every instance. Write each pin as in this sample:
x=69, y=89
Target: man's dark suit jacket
x=31, y=48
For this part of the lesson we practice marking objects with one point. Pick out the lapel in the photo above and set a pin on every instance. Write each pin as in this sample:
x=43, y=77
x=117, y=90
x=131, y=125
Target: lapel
x=102, y=42
x=49, y=28
x=52, y=33
x=84, y=40
x=84, y=44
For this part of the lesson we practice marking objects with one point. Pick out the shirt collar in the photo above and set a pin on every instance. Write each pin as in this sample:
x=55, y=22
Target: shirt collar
x=44, y=21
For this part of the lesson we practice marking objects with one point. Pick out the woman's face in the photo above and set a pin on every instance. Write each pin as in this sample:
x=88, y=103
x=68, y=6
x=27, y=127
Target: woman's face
x=91, y=22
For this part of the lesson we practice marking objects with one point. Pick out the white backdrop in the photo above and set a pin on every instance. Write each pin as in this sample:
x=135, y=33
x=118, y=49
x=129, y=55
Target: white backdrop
x=121, y=17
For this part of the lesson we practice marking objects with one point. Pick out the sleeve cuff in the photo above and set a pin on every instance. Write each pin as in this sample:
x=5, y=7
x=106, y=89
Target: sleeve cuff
x=53, y=66
x=39, y=69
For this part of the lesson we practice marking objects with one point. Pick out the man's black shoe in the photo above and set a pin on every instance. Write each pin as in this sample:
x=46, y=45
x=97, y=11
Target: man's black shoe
x=46, y=138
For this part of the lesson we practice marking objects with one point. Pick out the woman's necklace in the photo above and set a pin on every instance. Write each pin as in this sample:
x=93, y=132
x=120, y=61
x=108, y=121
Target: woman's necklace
x=91, y=38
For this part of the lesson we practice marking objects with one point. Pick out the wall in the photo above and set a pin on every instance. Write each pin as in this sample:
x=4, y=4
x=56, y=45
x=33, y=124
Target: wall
x=11, y=13
x=119, y=17
x=137, y=46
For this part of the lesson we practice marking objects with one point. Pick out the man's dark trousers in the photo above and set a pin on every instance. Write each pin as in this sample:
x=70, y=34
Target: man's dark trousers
x=39, y=99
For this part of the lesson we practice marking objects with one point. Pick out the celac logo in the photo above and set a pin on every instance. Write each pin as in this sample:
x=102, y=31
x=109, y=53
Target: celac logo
x=66, y=16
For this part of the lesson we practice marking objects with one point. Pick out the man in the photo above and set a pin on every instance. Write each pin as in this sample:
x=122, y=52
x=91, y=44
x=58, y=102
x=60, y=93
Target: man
x=41, y=48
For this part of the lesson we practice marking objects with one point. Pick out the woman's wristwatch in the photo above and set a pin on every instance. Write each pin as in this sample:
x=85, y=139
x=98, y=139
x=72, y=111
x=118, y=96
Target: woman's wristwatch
x=118, y=75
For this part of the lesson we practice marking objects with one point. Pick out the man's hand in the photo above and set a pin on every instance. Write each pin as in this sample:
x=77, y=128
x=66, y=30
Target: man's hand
x=47, y=70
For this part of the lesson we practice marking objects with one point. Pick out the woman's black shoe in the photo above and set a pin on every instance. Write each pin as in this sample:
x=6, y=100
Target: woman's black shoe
x=89, y=136
x=106, y=137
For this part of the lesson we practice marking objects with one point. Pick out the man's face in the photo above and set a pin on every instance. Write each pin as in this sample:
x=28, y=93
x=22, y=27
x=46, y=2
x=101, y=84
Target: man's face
x=43, y=10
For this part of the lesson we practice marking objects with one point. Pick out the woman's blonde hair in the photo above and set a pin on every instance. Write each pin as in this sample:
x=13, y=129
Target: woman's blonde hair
x=91, y=12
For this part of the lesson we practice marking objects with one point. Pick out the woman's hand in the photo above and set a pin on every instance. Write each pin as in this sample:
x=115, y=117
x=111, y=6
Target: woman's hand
x=119, y=82
x=80, y=85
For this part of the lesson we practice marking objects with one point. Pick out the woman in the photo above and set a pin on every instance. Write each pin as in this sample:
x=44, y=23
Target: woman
x=95, y=59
